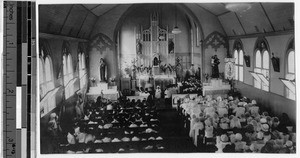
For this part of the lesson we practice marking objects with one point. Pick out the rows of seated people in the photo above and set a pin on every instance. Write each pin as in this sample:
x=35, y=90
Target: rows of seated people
x=109, y=127
x=236, y=125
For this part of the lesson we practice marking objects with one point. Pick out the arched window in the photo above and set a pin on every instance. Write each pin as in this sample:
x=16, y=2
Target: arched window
x=239, y=61
x=236, y=57
x=82, y=70
x=65, y=69
x=262, y=65
x=290, y=75
x=42, y=76
x=41, y=70
x=45, y=73
x=68, y=71
x=265, y=69
x=257, y=68
x=290, y=69
x=49, y=73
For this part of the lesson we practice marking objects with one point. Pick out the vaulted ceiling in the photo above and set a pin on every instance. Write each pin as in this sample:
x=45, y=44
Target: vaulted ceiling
x=78, y=20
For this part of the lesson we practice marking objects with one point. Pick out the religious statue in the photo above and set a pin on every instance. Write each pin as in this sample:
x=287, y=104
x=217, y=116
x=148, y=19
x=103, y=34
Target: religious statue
x=155, y=61
x=171, y=47
x=192, y=70
x=215, y=66
x=139, y=47
x=103, y=70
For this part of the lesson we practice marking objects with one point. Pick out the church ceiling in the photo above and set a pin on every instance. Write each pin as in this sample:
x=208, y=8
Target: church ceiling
x=78, y=20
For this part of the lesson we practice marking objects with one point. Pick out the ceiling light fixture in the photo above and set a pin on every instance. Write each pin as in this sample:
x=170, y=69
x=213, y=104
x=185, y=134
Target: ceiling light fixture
x=238, y=7
x=176, y=30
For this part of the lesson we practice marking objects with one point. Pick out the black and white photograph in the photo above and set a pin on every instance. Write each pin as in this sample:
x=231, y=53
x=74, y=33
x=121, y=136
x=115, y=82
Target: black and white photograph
x=163, y=77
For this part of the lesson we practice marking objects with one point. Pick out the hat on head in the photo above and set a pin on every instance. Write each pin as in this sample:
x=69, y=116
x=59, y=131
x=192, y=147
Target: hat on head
x=253, y=102
x=219, y=98
x=275, y=119
x=224, y=138
x=259, y=135
x=289, y=144
x=241, y=104
x=208, y=122
x=265, y=127
x=263, y=120
x=254, y=147
x=230, y=98
x=52, y=116
x=238, y=136
x=223, y=120
x=265, y=113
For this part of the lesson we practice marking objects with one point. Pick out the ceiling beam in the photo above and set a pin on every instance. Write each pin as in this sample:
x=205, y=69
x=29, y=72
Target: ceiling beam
x=95, y=7
x=66, y=18
x=240, y=22
x=109, y=10
x=61, y=37
x=89, y=10
x=267, y=16
x=87, y=14
x=277, y=33
x=223, y=13
x=206, y=9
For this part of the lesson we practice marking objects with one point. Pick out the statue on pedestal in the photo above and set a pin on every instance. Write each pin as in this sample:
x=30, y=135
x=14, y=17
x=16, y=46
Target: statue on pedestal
x=215, y=66
x=103, y=70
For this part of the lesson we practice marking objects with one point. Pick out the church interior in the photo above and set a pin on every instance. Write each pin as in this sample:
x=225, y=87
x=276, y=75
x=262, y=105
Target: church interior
x=167, y=78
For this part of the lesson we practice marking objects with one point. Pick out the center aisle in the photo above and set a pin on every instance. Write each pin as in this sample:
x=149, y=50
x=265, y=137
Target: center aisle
x=174, y=134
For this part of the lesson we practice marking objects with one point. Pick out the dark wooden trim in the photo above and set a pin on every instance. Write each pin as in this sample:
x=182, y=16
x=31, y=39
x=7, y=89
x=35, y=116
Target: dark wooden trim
x=109, y=10
x=61, y=37
x=66, y=18
x=205, y=9
x=223, y=13
x=237, y=17
x=89, y=10
x=95, y=7
x=267, y=16
x=82, y=24
x=286, y=32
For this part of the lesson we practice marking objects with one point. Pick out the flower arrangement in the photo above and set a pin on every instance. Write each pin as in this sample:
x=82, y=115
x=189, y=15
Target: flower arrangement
x=112, y=79
x=93, y=80
x=192, y=85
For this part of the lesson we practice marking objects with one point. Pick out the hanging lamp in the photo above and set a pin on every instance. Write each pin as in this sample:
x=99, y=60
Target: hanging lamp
x=176, y=30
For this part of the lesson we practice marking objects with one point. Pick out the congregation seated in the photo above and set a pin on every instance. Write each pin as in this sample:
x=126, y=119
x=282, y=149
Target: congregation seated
x=236, y=125
x=128, y=126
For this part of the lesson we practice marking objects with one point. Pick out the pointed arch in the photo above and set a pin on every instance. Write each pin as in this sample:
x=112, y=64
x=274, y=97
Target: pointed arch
x=262, y=63
x=290, y=67
x=238, y=54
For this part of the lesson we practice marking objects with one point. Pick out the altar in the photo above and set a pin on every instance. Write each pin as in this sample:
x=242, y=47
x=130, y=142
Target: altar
x=157, y=80
x=104, y=91
x=216, y=87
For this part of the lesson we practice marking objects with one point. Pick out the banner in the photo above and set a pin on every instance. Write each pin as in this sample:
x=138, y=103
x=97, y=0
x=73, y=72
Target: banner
x=229, y=68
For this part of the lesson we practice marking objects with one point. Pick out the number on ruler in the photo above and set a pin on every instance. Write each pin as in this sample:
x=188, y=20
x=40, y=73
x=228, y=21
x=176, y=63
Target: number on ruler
x=10, y=90
x=10, y=139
